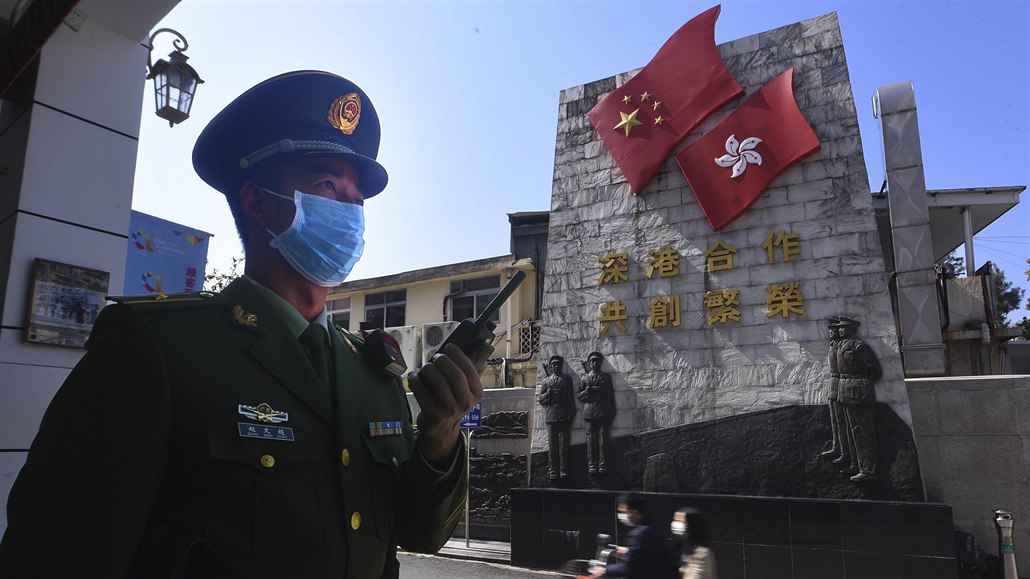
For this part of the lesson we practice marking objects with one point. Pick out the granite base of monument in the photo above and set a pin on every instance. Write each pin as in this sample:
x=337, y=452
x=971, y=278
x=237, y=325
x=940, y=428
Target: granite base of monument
x=772, y=452
x=753, y=537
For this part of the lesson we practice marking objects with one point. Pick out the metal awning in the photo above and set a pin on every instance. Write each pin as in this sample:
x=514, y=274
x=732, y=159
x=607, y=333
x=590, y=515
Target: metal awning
x=986, y=204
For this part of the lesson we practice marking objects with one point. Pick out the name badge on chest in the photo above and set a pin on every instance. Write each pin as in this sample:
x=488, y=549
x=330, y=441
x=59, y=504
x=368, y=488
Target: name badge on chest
x=265, y=432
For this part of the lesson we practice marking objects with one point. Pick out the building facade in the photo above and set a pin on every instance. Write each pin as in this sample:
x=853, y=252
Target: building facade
x=72, y=94
x=420, y=308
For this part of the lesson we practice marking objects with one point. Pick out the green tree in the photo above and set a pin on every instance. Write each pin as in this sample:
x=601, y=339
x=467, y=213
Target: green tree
x=216, y=280
x=1028, y=279
x=952, y=264
x=1025, y=322
x=1008, y=297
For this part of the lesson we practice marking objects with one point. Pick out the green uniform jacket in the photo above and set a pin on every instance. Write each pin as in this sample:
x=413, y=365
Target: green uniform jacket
x=140, y=463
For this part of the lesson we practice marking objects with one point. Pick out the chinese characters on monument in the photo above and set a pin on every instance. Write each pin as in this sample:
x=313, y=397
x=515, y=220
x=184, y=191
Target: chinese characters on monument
x=722, y=305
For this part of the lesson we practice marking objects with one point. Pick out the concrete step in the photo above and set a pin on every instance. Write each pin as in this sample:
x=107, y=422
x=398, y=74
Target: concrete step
x=476, y=550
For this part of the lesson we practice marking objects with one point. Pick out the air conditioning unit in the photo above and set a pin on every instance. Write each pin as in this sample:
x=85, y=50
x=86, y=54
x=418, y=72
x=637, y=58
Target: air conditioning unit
x=410, y=340
x=433, y=335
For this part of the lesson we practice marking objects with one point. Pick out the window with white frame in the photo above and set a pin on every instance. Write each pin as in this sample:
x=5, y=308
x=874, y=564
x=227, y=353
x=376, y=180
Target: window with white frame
x=469, y=297
x=385, y=309
x=339, y=312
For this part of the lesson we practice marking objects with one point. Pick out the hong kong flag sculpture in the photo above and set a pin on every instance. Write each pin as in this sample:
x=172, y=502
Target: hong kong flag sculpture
x=643, y=120
x=730, y=166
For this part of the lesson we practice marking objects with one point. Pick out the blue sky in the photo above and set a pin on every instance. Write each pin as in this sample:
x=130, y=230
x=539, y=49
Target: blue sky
x=467, y=93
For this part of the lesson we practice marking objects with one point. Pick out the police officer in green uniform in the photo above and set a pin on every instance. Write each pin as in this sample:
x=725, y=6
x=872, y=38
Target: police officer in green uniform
x=240, y=434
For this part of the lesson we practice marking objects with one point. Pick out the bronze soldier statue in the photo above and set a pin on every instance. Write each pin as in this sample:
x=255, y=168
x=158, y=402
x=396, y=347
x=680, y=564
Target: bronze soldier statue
x=597, y=394
x=838, y=452
x=559, y=404
x=859, y=369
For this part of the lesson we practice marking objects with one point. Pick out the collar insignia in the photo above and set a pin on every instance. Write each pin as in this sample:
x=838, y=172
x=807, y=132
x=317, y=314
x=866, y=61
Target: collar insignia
x=243, y=318
x=263, y=413
x=345, y=113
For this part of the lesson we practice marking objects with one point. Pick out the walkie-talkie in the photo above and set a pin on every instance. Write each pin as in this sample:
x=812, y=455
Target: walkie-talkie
x=475, y=336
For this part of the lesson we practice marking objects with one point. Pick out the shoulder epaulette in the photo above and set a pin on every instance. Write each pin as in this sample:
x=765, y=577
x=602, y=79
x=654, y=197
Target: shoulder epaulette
x=185, y=297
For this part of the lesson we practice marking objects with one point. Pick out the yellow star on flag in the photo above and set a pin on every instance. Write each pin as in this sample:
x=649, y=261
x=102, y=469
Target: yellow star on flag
x=659, y=120
x=645, y=96
x=656, y=105
x=628, y=121
x=626, y=99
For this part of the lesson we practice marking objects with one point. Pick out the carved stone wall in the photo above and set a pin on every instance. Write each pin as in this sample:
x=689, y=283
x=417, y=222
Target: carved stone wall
x=491, y=479
x=769, y=453
x=503, y=424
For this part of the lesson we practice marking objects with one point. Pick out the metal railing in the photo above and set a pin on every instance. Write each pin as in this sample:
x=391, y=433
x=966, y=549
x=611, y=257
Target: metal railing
x=528, y=332
x=525, y=335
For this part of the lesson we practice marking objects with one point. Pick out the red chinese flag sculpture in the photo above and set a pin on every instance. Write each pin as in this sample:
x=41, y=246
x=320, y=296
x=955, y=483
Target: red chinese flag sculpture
x=730, y=166
x=643, y=120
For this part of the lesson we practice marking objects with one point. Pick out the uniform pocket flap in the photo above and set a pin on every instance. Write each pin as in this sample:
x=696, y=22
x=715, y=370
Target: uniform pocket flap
x=225, y=442
x=391, y=450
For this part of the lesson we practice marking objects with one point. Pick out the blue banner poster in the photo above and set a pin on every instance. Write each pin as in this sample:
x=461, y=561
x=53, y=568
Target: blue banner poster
x=163, y=257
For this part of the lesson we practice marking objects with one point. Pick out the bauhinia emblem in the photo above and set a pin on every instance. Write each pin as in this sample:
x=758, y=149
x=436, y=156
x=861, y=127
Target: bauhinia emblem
x=739, y=155
x=770, y=113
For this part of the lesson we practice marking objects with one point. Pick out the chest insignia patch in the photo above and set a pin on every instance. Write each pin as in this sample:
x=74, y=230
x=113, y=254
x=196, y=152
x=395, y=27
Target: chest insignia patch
x=264, y=413
x=385, y=428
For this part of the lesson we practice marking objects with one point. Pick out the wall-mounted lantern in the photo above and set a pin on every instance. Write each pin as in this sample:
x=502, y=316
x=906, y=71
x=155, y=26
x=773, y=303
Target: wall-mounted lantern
x=175, y=82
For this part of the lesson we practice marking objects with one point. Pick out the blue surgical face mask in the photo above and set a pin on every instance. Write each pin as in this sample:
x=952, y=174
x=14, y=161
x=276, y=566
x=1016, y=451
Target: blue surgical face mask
x=325, y=239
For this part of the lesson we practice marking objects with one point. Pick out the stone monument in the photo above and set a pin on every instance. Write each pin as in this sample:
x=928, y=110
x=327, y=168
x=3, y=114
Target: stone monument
x=705, y=313
x=709, y=213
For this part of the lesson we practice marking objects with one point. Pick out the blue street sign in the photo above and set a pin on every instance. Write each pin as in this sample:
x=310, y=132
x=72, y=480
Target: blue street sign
x=474, y=418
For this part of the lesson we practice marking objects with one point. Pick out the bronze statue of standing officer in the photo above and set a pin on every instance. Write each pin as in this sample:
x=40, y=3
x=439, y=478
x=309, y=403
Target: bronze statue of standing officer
x=838, y=451
x=559, y=402
x=597, y=394
x=857, y=368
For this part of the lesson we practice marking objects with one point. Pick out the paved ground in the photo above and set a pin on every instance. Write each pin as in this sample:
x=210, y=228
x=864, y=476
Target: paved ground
x=472, y=560
x=489, y=551
x=439, y=567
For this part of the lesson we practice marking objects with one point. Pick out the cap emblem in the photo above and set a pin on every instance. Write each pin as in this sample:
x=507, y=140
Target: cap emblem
x=345, y=113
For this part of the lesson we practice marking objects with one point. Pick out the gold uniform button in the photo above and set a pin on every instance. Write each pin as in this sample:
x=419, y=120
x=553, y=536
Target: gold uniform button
x=345, y=457
x=268, y=461
x=394, y=460
x=355, y=520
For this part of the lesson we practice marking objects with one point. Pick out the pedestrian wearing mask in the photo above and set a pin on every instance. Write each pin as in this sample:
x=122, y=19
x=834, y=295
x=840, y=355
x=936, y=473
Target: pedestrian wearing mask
x=693, y=556
x=645, y=556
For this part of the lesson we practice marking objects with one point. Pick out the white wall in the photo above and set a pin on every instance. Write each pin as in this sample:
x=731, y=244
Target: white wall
x=70, y=148
x=972, y=434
